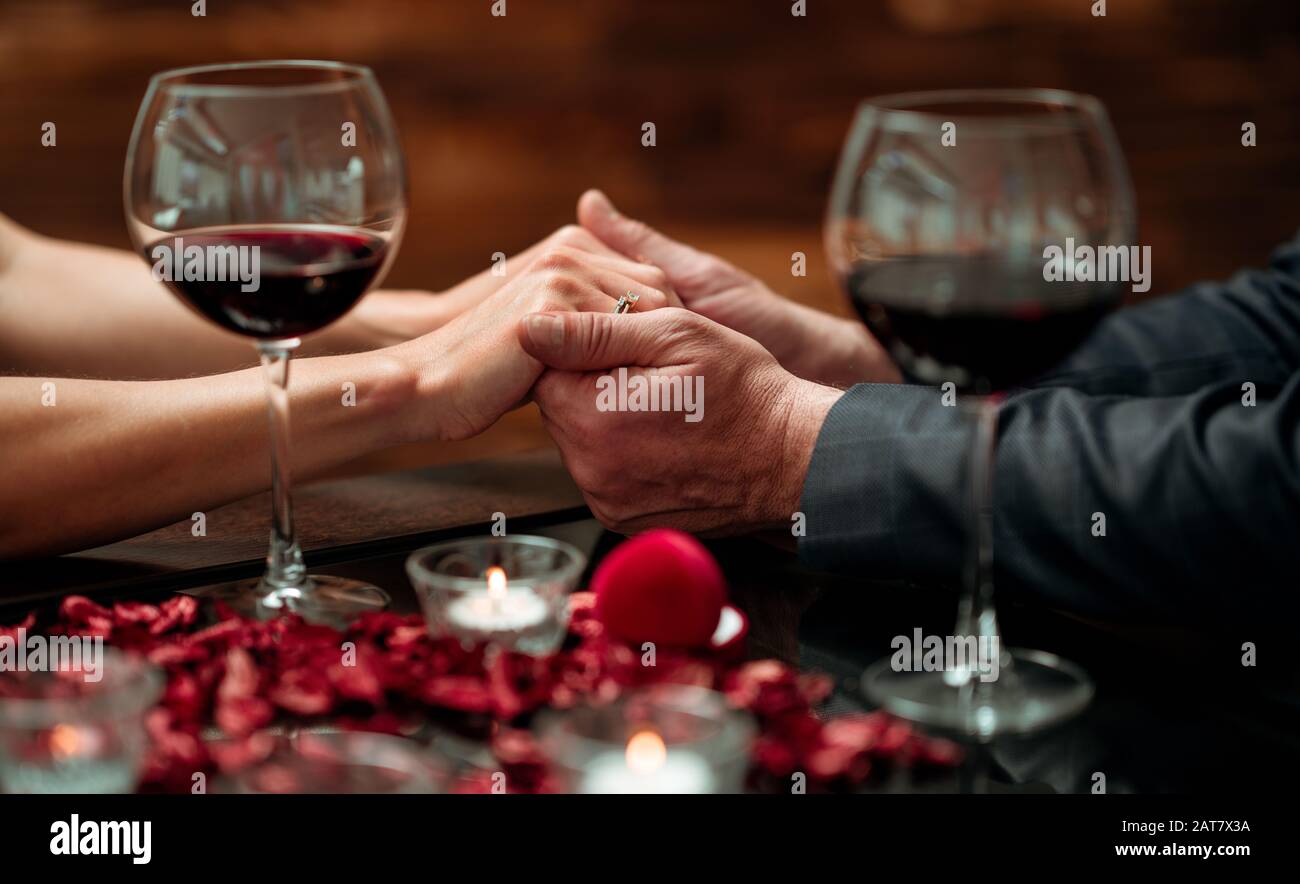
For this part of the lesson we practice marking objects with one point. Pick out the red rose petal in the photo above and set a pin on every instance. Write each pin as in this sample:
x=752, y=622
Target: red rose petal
x=242, y=716
x=303, y=692
x=126, y=613
x=242, y=677
x=357, y=682
x=78, y=609
x=177, y=612
x=241, y=674
x=462, y=692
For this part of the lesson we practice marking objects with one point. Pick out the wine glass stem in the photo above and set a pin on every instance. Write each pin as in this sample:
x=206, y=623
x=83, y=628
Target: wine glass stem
x=976, y=615
x=286, y=575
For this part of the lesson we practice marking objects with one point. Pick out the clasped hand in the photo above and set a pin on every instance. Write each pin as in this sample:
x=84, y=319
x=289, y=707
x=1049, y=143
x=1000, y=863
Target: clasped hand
x=547, y=332
x=753, y=358
x=471, y=370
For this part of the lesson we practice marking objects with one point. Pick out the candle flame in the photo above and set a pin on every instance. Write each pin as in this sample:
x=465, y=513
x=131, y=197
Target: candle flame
x=646, y=752
x=65, y=741
x=496, y=580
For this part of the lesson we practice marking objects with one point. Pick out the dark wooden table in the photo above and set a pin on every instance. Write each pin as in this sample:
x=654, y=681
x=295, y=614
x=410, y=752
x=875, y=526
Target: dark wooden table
x=1174, y=710
x=340, y=521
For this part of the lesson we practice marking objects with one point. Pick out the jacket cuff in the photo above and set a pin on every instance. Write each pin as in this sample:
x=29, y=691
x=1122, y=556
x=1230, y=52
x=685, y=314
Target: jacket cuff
x=886, y=489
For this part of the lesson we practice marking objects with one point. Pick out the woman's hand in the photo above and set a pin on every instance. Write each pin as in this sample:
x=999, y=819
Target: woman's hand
x=389, y=317
x=472, y=370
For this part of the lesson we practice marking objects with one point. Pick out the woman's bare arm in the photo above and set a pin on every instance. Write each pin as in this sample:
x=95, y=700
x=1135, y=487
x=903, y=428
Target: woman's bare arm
x=77, y=310
x=89, y=461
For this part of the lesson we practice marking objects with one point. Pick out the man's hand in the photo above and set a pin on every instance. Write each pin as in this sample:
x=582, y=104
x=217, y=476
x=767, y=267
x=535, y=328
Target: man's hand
x=809, y=343
x=472, y=370
x=739, y=468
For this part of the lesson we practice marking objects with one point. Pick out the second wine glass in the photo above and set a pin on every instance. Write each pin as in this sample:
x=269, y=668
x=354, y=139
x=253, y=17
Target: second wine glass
x=942, y=212
x=270, y=196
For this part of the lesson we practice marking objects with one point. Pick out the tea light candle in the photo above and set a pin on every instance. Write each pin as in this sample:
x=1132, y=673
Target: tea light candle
x=527, y=614
x=62, y=735
x=500, y=611
x=646, y=767
x=69, y=759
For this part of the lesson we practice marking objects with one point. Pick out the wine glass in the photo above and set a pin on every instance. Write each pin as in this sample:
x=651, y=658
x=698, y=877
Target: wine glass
x=941, y=216
x=270, y=196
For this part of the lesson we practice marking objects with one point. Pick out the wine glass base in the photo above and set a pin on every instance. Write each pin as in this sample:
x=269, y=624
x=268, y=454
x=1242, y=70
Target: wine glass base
x=1034, y=690
x=327, y=600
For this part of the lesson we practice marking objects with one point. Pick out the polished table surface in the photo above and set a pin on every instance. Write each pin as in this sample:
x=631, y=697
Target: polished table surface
x=1175, y=711
x=342, y=519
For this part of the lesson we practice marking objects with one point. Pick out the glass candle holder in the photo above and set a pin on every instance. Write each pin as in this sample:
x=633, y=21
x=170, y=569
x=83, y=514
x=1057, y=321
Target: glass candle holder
x=666, y=739
x=62, y=733
x=508, y=591
x=342, y=763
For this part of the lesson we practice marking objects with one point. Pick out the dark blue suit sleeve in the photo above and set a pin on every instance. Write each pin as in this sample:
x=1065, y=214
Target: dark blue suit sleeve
x=1147, y=426
x=1248, y=326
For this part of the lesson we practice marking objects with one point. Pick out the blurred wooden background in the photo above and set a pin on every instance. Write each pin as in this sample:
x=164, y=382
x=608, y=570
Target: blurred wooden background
x=506, y=120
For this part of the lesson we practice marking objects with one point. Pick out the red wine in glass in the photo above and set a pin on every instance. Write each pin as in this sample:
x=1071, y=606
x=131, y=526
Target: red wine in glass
x=940, y=244
x=986, y=325
x=248, y=204
x=306, y=277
